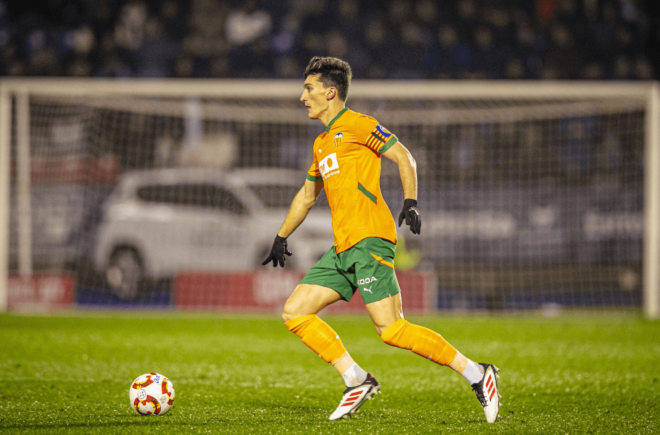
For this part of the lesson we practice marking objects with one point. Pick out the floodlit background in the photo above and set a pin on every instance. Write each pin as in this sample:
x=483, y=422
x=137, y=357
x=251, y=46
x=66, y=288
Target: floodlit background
x=394, y=39
x=532, y=197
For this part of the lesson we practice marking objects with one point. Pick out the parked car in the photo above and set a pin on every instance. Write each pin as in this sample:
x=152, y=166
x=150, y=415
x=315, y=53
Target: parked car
x=64, y=221
x=158, y=223
x=276, y=187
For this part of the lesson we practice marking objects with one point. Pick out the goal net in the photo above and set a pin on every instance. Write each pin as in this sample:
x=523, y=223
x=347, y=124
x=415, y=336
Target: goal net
x=169, y=193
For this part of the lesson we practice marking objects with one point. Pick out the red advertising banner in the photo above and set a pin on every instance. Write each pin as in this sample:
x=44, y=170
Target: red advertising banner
x=75, y=169
x=40, y=292
x=267, y=291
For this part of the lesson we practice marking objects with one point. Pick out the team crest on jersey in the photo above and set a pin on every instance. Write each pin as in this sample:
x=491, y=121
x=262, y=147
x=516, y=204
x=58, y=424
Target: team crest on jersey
x=338, y=137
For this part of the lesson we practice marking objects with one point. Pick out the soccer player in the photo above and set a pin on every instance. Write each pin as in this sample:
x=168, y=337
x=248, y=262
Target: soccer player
x=347, y=157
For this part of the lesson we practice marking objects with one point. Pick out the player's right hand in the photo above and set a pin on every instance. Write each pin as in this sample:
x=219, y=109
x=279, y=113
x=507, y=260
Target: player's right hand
x=410, y=213
x=277, y=252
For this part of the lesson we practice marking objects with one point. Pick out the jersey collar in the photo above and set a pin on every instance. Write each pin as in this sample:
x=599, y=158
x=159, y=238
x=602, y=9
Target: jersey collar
x=327, y=129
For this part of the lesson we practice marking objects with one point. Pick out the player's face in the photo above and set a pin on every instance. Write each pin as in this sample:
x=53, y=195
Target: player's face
x=314, y=96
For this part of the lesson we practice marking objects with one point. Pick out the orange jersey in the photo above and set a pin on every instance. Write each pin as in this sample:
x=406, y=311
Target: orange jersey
x=347, y=161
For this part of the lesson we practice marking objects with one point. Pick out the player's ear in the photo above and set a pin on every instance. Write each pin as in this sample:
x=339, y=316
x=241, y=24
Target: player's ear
x=332, y=93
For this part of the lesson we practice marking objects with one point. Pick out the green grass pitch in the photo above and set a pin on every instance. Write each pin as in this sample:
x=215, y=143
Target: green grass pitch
x=249, y=374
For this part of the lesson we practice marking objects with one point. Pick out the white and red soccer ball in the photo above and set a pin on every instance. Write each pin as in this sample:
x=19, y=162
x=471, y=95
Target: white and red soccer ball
x=151, y=394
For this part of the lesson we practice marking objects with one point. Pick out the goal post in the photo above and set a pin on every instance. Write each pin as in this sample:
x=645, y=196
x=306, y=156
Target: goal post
x=567, y=232
x=652, y=205
x=5, y=125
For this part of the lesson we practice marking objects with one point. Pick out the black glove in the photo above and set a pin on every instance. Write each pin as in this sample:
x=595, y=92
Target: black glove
x=277, y=252
x=411, y=213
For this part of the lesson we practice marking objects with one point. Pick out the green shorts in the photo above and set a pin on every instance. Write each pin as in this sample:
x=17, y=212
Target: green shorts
x=369, y=266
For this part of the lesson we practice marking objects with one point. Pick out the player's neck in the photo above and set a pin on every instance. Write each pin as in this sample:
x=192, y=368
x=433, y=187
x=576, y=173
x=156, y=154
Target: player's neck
x=331, y=112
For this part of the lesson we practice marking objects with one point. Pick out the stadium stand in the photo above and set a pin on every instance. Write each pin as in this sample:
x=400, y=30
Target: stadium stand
x=396, y=39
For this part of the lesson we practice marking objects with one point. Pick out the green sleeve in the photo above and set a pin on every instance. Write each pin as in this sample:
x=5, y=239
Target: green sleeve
x=388, y=144
x=316, y=179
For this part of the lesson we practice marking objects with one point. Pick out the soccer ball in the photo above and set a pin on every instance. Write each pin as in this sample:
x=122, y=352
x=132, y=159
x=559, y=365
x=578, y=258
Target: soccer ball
x=151, y=394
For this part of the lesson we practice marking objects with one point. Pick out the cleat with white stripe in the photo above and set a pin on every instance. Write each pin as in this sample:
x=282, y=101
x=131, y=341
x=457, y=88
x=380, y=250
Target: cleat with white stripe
x=488, y=393
x=354, y=397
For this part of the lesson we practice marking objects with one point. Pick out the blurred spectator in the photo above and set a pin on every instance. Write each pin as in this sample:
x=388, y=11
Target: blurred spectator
x=642, y=69
x=175, y=21
x=530, y=46
x=349, y=26
x=204, y=41
x=43, y=62
x=546, y=10
x=378, y=43
x=129, y=31
x=408, y=56
x=485, y=62
x=603, y=29
x=206, y=34
x=622, y=68
x=455, y=57
x=592, y=71
x=155, y=54
x=514, y=69
x=467, y=11
x=544, y=39
x=254, y=61
x=246, y=23
x=562, y=61
x=183, y=66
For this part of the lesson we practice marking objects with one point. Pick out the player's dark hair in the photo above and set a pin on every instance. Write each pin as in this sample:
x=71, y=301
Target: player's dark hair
x=332, y=72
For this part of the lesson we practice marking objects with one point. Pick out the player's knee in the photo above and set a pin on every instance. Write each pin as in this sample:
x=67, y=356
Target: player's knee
x=380, y=329
x=391, y=334
x=291, y=311
x=390, y=340
x=287, y=315
x=387, y=338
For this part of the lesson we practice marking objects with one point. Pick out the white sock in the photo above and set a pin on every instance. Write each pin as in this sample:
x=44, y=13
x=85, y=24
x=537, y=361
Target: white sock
x=473, y=373
x=354, y=376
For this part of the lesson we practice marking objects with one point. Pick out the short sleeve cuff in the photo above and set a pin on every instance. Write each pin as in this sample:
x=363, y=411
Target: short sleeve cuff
x=388, y=144
x=315, y=179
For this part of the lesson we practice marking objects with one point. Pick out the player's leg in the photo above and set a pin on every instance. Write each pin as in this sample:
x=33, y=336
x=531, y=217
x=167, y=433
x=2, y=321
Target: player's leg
x=300, y=316
x=308, y=299
x=322, y=285
x=387, y=316
x=382, y=297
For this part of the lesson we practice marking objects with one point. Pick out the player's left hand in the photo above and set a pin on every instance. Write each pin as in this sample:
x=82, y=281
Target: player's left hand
x=277, y=252
x=410, y=213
